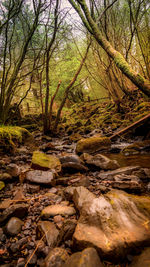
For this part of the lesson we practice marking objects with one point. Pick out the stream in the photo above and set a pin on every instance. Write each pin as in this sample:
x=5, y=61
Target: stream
x=40, y=210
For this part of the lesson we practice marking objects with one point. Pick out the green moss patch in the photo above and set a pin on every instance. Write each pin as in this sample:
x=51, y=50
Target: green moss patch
x=41, y=161
x=12, y=135
x=92, y=144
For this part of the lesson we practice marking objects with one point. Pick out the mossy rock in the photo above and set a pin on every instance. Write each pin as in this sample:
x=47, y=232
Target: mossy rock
x=12, y=135
x=136, y=147
x=41, y=161
x=2, y=185
x=92, y=144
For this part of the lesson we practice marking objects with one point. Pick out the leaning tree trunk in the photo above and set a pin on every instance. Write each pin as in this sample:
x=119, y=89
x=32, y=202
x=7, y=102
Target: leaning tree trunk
x=84, y=13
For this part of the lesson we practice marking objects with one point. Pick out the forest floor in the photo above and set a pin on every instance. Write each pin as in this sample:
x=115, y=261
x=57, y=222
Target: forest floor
x=58, y=208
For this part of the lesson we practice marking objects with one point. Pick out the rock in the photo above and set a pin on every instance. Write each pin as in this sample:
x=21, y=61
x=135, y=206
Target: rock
x=142, y=260
x=79, y=180
x=72, y=167
x=70, y=158
x=129, y=186
x=32, y=260
x=54, y=210
x=16, y=210
x=92, y=144
x=114, y=223
x=2, y=235
x=33, y=188
x=20, y=262
x=81, y=196
x=88, y=257
x=125, y=182
x=13, y=226
x=17, y=245
x=56, y=258
x=2, y=185
x=48, y=146
x=100, y=161
x=53, y=197
x=6, y=177
x=66, y=231
x=68, y=192
x=50, y=231
x=137, y=147
x=13, y=169
x=41, y=161
x=148, y=187
x=41, y=177
x=123, y=170
x=147, y=173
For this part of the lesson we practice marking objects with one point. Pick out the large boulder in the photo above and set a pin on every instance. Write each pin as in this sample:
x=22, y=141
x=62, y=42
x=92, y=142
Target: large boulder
x=92, y=144
x=41, y=161
x=87, y=258
x=114, y=223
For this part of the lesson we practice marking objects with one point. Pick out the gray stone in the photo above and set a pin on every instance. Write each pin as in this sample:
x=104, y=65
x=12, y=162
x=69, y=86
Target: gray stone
x=54, y=210
x=87, y=258
x=13, y=226
x=49, y=230
x=41, y=177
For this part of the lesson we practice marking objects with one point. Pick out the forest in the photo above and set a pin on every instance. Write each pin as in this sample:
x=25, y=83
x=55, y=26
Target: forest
x=75, y=133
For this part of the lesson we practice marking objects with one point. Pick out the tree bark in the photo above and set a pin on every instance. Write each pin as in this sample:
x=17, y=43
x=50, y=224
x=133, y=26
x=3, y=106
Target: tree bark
x=84, y=13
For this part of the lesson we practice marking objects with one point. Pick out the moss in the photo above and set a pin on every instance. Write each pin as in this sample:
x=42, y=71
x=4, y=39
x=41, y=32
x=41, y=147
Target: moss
x=92, y=144
x=137, y=146
x=2, y=185
x=42, y=161
x=9, y=135
x=121, y=63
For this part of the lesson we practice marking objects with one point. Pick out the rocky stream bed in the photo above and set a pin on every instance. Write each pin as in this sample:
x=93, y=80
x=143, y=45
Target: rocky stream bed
x=65, y=204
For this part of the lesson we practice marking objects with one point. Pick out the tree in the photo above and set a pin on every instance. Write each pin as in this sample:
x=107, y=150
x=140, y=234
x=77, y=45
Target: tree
x=11, y=68
x=90, y=23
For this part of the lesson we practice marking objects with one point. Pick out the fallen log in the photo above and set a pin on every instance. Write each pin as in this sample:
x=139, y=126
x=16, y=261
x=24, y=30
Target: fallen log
x=131, y=127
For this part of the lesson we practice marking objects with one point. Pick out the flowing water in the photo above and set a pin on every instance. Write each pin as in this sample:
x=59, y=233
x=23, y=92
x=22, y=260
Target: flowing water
x=142, y=160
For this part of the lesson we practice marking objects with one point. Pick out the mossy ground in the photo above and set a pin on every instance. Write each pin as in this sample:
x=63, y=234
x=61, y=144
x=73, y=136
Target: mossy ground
x=10, y=136
x=83, y=118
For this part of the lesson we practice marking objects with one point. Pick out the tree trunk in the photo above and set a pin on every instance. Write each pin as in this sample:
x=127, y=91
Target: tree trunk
x=68, y=88
x=142, y=83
